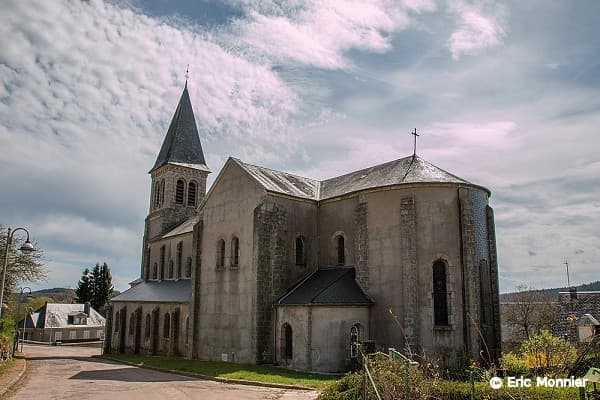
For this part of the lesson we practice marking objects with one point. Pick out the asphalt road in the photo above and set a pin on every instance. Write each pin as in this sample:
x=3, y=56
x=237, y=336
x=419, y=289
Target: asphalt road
x=68, y=372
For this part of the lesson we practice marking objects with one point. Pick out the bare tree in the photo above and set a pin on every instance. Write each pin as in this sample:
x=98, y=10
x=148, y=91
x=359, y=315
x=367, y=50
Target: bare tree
x=529, y=312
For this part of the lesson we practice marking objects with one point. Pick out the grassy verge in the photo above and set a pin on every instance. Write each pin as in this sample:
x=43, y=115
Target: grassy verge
x=249, y=372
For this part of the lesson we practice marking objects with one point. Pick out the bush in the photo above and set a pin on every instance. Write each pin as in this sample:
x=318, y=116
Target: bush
x=514, y=365
x=347, y=388
x=6, y=338
x=544, y=351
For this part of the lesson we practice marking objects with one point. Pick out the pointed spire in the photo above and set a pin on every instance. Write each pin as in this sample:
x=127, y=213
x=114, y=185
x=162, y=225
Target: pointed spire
x=182, y=142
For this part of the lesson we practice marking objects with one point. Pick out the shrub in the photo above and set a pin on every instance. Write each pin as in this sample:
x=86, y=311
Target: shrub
x=546, y=351
x=514, y=365
x=350, y=387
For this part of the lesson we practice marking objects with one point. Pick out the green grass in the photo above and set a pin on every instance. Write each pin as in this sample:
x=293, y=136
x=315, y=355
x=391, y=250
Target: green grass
x=249, y=372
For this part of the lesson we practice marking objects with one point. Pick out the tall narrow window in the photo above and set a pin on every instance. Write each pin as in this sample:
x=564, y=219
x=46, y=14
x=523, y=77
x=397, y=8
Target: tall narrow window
x=148, y=264
x=300, y=255
x=162, y=192
x=170, y=269
x=235, y=252
x=188, y=268
x=155, y=271
x=131, y=323
x=187, y=330
x=354, y=340
x=161, y=271
x=179, y=260
x=157, y=195
x=179, y=191
x=117, y=320
x=221, y=254
x=440, y=295
x=191, y=200
x=147, y=328
x=341, y=257
x=167, y=326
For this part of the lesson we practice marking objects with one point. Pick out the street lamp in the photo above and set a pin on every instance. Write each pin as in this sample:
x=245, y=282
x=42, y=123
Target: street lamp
x=30, y=311
x=27, y=247
x=21, y=290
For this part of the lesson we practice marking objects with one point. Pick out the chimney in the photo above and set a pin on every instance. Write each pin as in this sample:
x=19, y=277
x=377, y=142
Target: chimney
x=86, y=308
x=573, y=292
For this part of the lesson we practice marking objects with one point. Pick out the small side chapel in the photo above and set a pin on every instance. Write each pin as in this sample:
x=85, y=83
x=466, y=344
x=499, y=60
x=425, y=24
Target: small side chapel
x=271, y=267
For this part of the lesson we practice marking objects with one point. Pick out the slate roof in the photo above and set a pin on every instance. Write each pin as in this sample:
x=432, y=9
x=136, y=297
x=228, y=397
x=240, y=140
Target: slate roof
x=327, y=286
x=567, y=308
x=402, y=171
x=167, y=291
x=405, y=170
x=182, y=143
x=186, y=226
x=55, y=315
x=281, y=182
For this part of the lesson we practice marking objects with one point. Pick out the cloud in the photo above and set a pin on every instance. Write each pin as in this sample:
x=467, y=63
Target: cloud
x=476, y=30
x=318, y=33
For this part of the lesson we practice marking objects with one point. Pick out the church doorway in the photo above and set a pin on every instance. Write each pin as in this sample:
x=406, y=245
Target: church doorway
x=286, y=343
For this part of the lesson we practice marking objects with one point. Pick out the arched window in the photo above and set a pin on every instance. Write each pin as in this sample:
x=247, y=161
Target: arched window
x=188, y=268
x=341, y=257
x=287, y=350
x=148, y=325
x=179, y=256
x=167, y=326
x=354, y=340
x=300, y=254
x=155, y=271
x=148, y=254
x=157, y=195
x=235, y=252
x=131, y=323
x=221, y=254
x=179, y=191
x=117, y=319
x=440, y=295
x=161, y=271
x=170, y=269
x=191, y=200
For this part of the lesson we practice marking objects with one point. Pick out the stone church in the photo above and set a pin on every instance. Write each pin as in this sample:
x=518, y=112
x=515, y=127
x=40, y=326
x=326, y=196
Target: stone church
x=271, y=267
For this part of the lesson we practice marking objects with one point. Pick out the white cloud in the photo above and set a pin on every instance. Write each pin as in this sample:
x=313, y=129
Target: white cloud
x=318, y=33
x=476, y=30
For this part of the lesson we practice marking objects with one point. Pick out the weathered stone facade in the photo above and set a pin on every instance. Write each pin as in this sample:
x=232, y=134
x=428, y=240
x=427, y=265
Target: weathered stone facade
x=420, y=243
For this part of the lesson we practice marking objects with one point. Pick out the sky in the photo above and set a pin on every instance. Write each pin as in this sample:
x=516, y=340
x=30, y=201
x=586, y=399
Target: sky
x=504, y=94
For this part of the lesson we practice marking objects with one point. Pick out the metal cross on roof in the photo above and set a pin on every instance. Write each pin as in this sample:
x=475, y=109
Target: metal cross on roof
x=187, y=74
x=415, y=134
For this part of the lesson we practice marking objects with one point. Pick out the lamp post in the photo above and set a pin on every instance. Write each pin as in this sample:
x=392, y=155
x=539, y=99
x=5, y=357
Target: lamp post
x=21, y=290
x=30, y=311
x=26, y=248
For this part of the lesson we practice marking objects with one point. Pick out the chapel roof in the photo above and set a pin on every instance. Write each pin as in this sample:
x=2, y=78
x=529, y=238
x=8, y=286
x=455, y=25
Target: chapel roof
x=407, y=170
x=327, y=286
x=166, y=291
x=182, y=142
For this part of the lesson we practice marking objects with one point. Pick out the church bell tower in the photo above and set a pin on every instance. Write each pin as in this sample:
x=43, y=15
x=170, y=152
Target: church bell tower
x=178, y=177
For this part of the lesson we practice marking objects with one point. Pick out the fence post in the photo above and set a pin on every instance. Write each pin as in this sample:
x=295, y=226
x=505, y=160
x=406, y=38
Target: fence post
x=472, y=384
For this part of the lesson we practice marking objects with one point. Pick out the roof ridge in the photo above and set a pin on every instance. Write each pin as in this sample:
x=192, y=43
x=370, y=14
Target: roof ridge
x=275, y=170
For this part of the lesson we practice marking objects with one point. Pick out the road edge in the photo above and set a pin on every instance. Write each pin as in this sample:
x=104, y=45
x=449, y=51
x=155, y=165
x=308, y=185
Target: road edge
x=6, y=388
x=215, y=378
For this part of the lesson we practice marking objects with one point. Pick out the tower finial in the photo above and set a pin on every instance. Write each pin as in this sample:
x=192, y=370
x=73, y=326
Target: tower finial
x=187, y=74
x=415, y=134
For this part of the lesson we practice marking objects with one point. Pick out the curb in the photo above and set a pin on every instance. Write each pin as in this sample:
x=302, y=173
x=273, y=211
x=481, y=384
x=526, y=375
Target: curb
x=214, y=378
x=15, y=380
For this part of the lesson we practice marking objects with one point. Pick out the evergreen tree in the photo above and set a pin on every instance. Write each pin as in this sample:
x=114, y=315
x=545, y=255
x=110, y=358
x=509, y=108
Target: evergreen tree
x=96, y=287
x=85, y=291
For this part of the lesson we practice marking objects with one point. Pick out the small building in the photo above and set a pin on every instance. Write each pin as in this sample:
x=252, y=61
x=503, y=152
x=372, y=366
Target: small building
x=55, y=322
x=577, y=315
